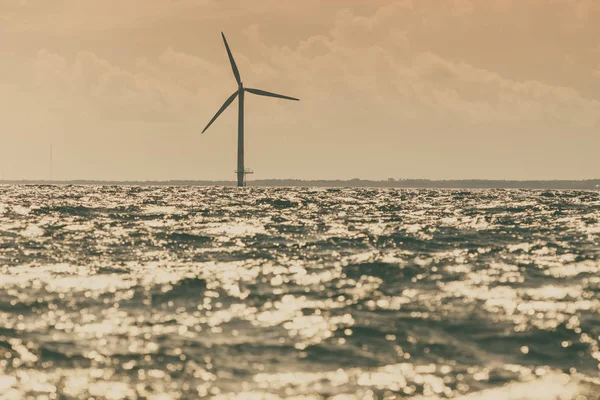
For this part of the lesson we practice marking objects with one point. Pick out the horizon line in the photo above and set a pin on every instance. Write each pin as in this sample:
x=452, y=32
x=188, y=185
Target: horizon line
x=407, y=183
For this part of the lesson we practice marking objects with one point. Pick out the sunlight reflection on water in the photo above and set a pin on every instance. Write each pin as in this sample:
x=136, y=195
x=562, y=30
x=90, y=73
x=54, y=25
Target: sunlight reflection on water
x=182, y=292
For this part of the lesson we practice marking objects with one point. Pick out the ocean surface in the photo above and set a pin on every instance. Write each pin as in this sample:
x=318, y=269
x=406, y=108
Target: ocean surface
x=285, y=293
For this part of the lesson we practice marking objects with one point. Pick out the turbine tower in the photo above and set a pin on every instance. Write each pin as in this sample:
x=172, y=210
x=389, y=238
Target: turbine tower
x=241, y=171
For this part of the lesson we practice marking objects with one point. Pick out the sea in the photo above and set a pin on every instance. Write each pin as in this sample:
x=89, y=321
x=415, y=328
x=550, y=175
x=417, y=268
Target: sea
x=142, y=292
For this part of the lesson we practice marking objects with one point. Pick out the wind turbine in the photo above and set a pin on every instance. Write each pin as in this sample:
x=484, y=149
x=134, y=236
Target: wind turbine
x=241, y=171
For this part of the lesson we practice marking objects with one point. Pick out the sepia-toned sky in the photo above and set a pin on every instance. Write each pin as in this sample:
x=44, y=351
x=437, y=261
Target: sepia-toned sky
x=441, y=89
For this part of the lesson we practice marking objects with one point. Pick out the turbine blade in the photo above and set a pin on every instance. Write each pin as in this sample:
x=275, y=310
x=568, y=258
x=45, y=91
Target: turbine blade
x=269, y=94
x=234, y=67
x=223, y=107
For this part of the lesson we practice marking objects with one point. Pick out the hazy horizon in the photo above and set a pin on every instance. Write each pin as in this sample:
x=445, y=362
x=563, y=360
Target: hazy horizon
x=403, y=89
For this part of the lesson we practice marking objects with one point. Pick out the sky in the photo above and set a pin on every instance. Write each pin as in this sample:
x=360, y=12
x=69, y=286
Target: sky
x=438, y=89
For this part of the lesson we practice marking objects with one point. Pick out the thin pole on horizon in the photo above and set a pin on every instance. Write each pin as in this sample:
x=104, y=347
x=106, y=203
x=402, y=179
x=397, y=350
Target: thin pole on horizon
x=241, y=169
x=51, y=163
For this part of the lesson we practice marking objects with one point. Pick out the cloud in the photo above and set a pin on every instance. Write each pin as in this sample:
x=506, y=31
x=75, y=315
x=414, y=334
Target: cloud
x=496, y=98
x=374, y=60
x=387, y=70
x=108, y=90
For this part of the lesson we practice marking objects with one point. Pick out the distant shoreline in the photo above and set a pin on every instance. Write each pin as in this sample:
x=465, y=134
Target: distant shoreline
x=590, y=184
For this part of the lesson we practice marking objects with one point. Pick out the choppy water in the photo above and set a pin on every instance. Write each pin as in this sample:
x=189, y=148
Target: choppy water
x=225, y=293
